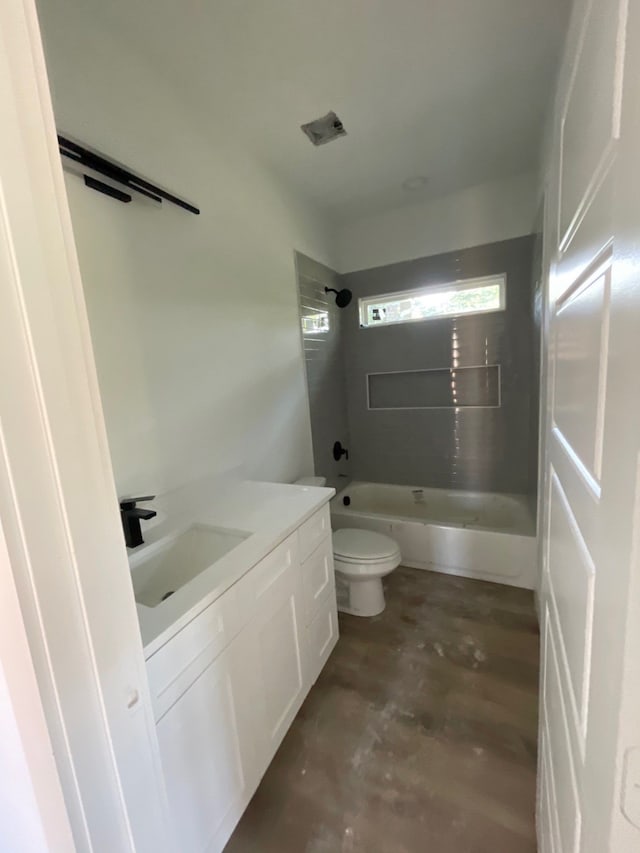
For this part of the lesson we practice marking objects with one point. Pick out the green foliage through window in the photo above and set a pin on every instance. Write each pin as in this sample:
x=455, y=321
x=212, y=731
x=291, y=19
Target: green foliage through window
x=467, y=297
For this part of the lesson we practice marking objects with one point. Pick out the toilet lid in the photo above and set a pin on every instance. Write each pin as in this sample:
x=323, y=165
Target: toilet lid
x=355, y=544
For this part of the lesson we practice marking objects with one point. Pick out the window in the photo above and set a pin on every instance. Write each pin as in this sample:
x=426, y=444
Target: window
x=472, y=296
x=315, y=324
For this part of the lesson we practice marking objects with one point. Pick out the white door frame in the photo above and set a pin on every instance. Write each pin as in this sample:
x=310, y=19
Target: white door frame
x=58, y=505
x=32, y=810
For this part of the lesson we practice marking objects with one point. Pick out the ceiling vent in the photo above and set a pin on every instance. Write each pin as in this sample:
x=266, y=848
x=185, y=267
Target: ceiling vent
x=324, y=129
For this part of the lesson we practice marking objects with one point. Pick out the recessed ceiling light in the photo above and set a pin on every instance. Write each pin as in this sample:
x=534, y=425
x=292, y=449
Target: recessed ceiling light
x=416, y=183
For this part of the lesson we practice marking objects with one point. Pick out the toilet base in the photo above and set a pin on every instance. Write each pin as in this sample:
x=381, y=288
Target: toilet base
x=360, y=597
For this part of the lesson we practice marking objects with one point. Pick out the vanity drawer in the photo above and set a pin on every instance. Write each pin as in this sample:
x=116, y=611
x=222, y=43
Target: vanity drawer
x=313, y=531
x=175, y=666
x=318, y=577
x=266, y=580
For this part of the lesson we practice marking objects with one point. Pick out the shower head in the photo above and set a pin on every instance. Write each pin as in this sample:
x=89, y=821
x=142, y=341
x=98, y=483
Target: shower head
x=343, y=297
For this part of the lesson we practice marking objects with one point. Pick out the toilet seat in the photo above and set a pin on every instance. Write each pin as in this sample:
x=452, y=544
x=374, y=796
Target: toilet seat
x=361, y=559
x=366, y=547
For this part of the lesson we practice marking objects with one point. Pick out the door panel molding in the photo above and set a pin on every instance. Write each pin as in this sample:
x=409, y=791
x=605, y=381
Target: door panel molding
x=592, y=238
x=561, y=763
x=590, y=116
x=575, y=630
x=550, y=833
x=581, y=321
x=581, y=471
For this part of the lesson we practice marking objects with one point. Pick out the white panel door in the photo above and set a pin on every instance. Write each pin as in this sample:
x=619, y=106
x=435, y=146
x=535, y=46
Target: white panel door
x=591, y=482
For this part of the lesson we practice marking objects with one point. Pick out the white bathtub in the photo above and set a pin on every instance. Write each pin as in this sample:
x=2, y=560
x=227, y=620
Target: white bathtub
x=473, y=534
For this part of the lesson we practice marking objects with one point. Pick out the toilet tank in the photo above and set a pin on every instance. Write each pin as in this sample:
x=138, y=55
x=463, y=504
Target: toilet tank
x=311, y=481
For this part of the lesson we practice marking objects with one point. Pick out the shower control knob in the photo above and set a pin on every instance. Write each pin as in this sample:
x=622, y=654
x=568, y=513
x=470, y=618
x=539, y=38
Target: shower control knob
x=339, y=451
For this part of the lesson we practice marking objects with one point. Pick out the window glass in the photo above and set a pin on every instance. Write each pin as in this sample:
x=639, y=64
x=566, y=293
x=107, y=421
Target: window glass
x=473, y=296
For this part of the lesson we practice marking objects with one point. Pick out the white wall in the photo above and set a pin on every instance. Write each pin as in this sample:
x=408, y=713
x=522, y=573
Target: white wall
x=194, y=319
x=476, y=215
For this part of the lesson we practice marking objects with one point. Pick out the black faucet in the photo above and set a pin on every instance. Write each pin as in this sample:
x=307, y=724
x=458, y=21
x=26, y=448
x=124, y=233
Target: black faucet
x=131, y=516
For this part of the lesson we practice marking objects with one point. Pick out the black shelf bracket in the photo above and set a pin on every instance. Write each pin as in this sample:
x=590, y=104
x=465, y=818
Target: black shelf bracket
x=84, y=157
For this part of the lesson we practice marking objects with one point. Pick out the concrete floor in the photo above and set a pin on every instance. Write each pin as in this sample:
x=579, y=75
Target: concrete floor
x=419, y=735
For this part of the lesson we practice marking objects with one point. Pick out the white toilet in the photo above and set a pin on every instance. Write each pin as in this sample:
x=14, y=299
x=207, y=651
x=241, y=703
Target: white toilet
x=361, y=559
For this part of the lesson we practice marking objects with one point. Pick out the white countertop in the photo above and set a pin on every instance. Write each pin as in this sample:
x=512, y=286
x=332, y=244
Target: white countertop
x=268, y=511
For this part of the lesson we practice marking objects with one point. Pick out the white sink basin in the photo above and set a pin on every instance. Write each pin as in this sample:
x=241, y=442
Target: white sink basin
x=158, y=574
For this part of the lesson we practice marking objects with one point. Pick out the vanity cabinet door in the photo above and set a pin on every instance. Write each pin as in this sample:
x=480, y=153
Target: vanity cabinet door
x=277, y=632
x=318, y=578
x=322, y=635
x=208, y=751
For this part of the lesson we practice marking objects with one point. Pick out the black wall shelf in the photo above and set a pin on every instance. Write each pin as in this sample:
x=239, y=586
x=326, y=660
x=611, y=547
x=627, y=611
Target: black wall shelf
x=85, y=157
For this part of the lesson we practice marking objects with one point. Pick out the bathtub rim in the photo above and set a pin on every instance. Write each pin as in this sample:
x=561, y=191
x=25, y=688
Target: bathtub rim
x=526, y=501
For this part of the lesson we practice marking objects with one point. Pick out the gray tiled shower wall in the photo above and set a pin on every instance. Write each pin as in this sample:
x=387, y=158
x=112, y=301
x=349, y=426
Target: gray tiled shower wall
x=324, y=362
x=486, y=449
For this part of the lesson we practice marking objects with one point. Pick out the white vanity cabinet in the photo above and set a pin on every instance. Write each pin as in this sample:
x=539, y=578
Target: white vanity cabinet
x=226, y=688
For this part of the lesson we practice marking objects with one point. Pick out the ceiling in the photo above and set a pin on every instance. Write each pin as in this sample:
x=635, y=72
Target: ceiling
x=454, y=90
